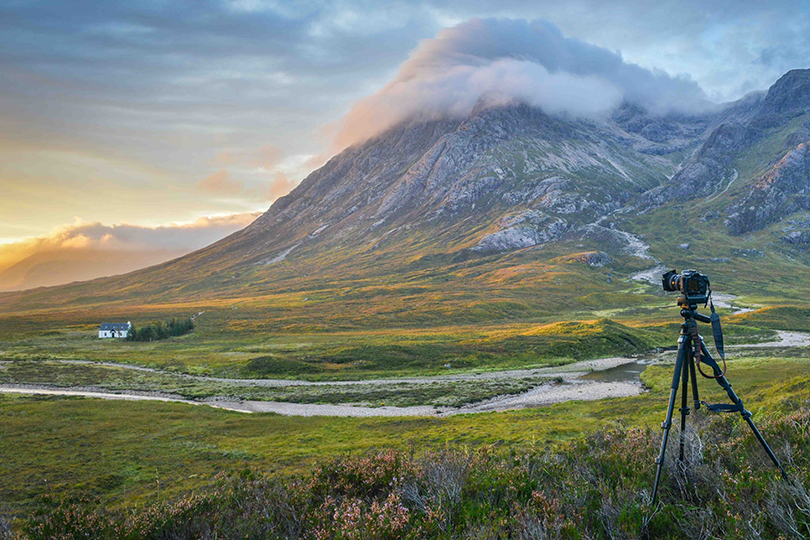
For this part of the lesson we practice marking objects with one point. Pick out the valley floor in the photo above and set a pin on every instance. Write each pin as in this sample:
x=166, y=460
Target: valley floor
x=585, y=380
x=548, y=386
x=120, y=451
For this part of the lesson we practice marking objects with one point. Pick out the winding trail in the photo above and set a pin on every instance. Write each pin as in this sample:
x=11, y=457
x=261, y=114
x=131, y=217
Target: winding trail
x=577, y=384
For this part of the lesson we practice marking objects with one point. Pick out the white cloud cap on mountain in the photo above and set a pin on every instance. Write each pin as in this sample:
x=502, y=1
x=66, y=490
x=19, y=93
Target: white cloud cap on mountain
x=501, y=60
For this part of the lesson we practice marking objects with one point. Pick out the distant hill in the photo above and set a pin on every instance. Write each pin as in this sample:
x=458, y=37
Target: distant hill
x=57, y=267
x=634, y=188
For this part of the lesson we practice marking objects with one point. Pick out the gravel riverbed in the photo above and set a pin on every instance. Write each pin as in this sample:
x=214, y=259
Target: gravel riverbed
x=574, y=382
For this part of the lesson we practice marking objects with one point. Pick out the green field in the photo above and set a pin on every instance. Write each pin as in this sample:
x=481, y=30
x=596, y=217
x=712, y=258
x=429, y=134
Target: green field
x=122, y=451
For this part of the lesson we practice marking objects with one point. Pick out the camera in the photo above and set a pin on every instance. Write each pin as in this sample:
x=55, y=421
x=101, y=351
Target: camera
x=693, y=286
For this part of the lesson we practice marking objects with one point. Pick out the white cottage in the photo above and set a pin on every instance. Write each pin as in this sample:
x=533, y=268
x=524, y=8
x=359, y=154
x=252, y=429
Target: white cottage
x=114, y=330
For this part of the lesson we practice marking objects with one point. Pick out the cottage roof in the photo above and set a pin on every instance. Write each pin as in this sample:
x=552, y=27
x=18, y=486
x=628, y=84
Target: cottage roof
x=118, y=327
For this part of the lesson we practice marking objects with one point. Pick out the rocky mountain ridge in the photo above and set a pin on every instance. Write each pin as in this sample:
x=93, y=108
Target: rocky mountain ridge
x=523, y=176
x=512, y=177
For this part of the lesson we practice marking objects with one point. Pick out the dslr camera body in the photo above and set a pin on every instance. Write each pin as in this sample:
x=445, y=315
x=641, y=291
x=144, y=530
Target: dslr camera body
x=694, y=287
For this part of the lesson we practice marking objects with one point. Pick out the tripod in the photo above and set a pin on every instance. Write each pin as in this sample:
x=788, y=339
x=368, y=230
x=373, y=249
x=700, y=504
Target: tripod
x=685, y=370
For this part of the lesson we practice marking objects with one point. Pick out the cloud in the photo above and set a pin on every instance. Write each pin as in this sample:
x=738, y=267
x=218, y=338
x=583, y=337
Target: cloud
x=267, y=156
x=259, y=164
x=157, y=85
x=500, y=60
x=221, y=183
x=133, y=238
x=315, y=161
x=280, y=186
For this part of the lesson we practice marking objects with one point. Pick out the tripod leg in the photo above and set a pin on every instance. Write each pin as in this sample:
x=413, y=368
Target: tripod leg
x=745, y=413
x=695, y=395
x=683, y=345
x=684, y=397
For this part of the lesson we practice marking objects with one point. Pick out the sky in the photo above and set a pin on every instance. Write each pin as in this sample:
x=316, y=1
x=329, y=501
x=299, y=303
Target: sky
x=153, y=114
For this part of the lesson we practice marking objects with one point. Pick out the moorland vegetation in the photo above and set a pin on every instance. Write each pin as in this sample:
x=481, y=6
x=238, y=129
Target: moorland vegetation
x=597, y=487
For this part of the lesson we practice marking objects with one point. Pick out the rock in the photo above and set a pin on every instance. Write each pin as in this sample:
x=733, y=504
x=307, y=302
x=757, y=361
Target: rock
x=796, y=238
x=789, y=95
x=600, y=258
x=522, y=230
x=709, y=170
x=781, y=191
x=748, y=253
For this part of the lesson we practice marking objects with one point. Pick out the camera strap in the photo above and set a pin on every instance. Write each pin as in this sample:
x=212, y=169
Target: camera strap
x=717, y=332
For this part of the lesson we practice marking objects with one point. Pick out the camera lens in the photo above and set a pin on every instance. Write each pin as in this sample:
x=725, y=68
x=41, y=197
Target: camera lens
x=671, y=281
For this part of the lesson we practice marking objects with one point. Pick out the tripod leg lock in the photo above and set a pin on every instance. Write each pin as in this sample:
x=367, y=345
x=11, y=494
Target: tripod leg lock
x=684, y=410
x=666, y=425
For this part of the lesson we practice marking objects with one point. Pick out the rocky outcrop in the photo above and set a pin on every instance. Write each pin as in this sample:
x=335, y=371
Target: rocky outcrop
x=660, y=135
x=527, y=229
x=787, y=98
x=594, y=258
x=732, y=133
x=748, y=253
x=709, y=170
x=783, y=190
x=797, y=238
x=796, y=232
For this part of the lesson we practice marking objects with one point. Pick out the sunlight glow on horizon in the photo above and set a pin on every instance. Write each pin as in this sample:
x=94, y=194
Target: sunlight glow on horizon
x=220, y=109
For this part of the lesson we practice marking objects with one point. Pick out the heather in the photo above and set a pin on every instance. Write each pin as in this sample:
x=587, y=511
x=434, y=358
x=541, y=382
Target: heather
x=597, y=487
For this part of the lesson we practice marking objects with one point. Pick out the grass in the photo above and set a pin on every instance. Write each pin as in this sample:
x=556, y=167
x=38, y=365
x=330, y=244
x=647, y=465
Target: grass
x=64, y=446
x=119, y=379
x=212, y=350
x=598, y=487
x=119, y=450
x=221, y=347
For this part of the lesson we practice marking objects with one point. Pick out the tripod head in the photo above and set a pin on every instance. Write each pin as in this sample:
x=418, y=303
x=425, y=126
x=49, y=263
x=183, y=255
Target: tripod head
x=692, y=313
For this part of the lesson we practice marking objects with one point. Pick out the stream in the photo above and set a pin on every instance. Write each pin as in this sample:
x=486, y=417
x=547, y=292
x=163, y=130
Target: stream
x=586, y=380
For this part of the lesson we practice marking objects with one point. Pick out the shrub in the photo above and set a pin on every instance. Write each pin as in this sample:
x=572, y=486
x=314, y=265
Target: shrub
x=597, y=488
x=161, y=330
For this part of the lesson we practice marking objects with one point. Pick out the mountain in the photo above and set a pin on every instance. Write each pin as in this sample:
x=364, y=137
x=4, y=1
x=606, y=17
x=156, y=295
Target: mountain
x=511, y=178
x=501, y=168
x=57, y=267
